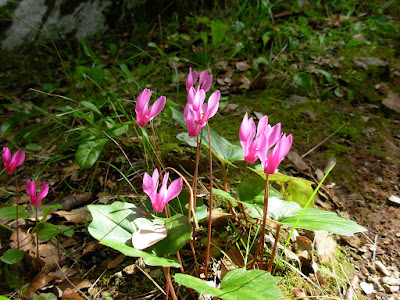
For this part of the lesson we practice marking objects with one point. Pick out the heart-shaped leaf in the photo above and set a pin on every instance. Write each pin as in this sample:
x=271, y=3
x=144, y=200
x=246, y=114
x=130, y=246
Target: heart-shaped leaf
x=10, y=212
x=293, y=189
x=237, y=284
x=287, y=213
x=113, y=226
x=89, y=152
x=12, y=256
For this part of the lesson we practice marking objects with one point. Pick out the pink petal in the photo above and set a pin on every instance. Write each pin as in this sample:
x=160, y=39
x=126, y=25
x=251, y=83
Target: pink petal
x=174, y=189
x=262, y=125
x=157, y=107
x=191, y=79
x=203, y=76
x=189, y=117
x=149, y=185
x=213, y=103
x=20, y=158
x=207, y=84
x=163, y=193
x=6, y=155
x=246, y=132
x=198, y=100
x=274, y=134
x=142, y=101
x=31, y=190
x=43, y=192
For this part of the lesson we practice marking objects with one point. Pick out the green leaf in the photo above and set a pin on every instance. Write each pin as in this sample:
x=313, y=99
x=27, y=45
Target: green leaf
x=33, y=147
x=47, y=231
x=218, y=31
x=47, y=209
x=179, y=232
x=327, y=75
x=303, y=82
x=113, y=226
x=89, y=152
x=91, y=106
x=68, y=231
x=12, y=256
x=293, y=189
x=287, y=213
x=252, y=190
x=237, y=284
x=4, y=298
x=222, y=149
x=10, y=212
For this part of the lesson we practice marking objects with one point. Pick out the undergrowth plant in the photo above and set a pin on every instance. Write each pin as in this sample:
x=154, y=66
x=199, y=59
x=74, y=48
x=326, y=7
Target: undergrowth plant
x=137, y=232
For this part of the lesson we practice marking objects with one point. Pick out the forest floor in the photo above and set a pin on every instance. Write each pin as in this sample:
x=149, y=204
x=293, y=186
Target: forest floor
x=339, y=96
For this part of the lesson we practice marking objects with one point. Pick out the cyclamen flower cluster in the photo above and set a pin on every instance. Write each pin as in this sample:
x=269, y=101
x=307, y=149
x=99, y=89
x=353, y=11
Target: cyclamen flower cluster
x=257, y=144
x=196, y=112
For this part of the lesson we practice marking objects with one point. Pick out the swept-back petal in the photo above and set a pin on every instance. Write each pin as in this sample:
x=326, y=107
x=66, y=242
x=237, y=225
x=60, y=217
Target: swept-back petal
x=262, y=125
x=207, y=83
x=6, y=155
x=20, y=158
x=203, y=76
x=198, y=100
x=274, y=134
x=213, y=103
x=149, y=184
x=157, y=107
x=31, y=190
x=191, y=79
x=174, y=189
x=247, y=131
x=43, y=192
x=143, y=100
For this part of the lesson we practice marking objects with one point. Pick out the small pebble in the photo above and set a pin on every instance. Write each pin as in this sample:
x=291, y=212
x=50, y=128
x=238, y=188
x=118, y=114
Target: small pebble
x=381, y=268
x=368, y=288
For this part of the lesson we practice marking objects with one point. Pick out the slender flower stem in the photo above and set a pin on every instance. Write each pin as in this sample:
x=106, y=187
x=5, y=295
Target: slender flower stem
x=261, y=242
x=37, y=238
x=169, y=284
x=265, y=213
x=234, y=216
x=271, y=260
x=156, y=149
x=16, y=191
x=210, y=206
x=178, y=256
x=194, y=181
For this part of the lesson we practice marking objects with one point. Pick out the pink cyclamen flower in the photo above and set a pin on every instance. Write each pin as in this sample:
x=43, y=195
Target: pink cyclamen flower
x=254, y=142
x=196, y=112
x=160, y=199
x=144, y=114
x=12, y=162
x=271, y=161
x=31, y=189
x=205, y=80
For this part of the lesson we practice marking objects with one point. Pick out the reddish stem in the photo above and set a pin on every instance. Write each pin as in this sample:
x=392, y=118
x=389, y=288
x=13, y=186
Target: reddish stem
x=264, y=220
x=16, y=191
x=169, y=284
x=37, y=239
x=210, y=203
